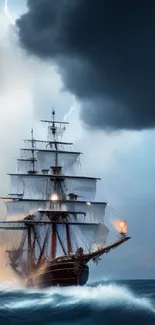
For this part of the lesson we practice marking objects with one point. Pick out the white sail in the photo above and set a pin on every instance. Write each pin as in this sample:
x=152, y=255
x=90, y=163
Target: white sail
x=38, y=188
x=85, y=188
x=25, y=166
x=28, y=153
x=17, y=185
x=87, y=236
x=46, y=159
x=94, y=212
x=21, y=209
x=100, y=237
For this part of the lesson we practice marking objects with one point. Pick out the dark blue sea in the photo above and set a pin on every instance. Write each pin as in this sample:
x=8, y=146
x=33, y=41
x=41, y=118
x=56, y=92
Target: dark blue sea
x=106, y=303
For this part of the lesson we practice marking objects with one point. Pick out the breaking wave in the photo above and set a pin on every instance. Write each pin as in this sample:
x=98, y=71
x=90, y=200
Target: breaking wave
x=105, y=303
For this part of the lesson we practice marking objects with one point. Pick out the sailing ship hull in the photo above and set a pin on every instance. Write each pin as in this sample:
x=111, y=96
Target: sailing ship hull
x=66, y=273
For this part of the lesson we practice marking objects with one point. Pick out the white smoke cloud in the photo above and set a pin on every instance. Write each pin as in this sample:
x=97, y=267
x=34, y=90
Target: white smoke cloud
x=28, y=90
x=15, y=96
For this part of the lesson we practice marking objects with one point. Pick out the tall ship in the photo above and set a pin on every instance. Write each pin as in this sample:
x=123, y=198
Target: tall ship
x=55, y=224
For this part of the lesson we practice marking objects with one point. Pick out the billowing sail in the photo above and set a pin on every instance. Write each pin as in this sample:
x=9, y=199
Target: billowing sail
x=65, y=159
x=89, y=236
x=85, y=188
x=17, y=185
x=93, y=211
x=27, y=165
x=28, y=153
x=22, y=208
x=40, y=186
x=100, y=237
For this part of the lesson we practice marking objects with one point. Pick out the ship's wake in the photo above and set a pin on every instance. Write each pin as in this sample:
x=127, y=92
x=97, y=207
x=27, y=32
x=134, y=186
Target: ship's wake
x=104, y=304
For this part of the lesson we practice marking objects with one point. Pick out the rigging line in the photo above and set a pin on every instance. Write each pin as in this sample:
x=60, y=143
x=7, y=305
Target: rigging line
x=43, y=247
x=83, y=241
x=112, y=208
x=94, y=215
x=60, y=241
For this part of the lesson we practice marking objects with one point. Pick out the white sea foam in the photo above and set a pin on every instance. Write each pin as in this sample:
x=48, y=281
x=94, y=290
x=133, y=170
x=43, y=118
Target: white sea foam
x=102, y=296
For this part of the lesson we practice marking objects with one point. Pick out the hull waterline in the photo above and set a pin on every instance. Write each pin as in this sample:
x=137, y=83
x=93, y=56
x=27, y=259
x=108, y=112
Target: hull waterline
x=67, y=273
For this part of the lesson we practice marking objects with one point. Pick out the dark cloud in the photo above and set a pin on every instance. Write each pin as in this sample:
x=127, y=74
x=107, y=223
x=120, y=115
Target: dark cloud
x=106, y=54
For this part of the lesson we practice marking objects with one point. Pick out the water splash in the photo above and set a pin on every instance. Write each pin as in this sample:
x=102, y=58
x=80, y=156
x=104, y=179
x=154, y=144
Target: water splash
x=105, y=304
x=101, y=296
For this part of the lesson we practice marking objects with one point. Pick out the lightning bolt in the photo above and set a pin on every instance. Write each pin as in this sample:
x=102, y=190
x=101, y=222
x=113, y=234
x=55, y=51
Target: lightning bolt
x=6, y=12
x=73, y=107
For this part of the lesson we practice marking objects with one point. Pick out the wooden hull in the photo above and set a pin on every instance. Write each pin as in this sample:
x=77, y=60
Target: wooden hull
x=64, y=273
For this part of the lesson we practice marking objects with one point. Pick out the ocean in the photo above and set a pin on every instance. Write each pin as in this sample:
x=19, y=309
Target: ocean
x=105, y=303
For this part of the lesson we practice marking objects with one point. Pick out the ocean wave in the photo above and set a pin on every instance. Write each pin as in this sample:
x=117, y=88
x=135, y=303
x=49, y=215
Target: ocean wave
x=108, y=302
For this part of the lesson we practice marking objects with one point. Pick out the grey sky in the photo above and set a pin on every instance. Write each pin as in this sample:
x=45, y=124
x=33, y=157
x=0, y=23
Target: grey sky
x=109, y=46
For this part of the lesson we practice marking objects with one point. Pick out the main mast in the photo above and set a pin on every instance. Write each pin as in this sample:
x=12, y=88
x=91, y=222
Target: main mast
x=55, y=170
x=54, y=226
x=58, y=193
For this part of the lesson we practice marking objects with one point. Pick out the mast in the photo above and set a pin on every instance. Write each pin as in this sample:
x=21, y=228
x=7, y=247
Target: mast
x=30, y=158
x=69, y=246
x=53, y=128
x=33, y=145
x=29, y=250
x=54, y=227
x=53, y=241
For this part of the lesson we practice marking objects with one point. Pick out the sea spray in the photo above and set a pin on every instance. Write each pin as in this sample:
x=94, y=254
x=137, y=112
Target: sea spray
x=103, y=304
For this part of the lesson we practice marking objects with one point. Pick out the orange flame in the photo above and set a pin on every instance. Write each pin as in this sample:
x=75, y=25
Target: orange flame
x=120, y=225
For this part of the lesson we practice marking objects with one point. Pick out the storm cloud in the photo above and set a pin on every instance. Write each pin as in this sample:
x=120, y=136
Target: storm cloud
x=105, y=50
